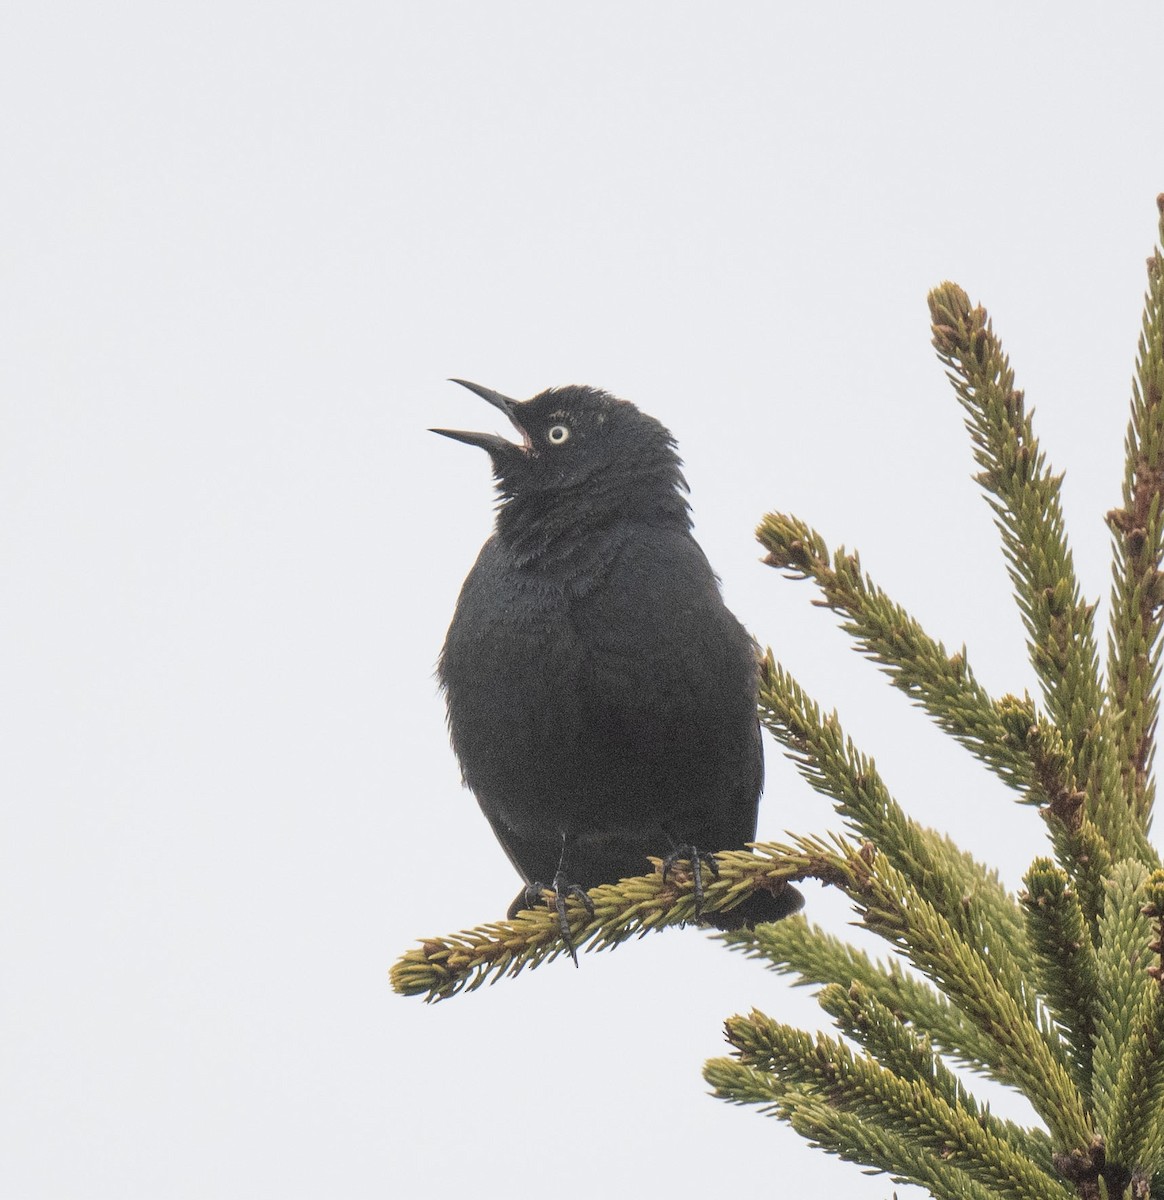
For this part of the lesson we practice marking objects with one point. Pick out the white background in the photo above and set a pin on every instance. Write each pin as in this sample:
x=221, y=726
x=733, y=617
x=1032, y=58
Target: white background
x=243, y=245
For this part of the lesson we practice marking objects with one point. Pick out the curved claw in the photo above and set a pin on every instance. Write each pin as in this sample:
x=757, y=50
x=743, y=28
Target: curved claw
x=563, y=890
x=698, y=858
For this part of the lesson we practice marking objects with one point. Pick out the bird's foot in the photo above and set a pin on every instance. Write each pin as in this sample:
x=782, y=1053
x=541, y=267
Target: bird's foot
x=563, y=890
x=698, y=859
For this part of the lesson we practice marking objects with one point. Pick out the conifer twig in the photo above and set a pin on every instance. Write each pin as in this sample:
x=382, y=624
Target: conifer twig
x=1079, y=845
x=899, y=1049
x=443, y=966
x=1064, y=959
x=1147, y=1128
x=1029, y=1055
x=1137, y=605
x=826, y=1068
x=848, y=1136
x=1024, y=495
x=942, y=683
x=812, y=956
x=1128, y=1086
x=1025, y=498
x=952, y=880
x=868, y=1143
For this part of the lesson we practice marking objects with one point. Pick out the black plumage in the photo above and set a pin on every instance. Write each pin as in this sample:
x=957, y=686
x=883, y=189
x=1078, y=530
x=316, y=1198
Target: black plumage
x=601, y=697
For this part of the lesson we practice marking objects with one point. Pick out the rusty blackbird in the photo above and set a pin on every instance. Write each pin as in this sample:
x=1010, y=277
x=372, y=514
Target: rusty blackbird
x=601, y=697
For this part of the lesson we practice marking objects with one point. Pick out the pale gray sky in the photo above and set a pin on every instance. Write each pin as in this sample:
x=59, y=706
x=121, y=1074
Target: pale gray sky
x=243, y=247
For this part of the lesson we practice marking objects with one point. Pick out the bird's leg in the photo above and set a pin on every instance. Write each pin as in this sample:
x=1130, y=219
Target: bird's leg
x=534, y=896
x=563, y=890
x=697, y=859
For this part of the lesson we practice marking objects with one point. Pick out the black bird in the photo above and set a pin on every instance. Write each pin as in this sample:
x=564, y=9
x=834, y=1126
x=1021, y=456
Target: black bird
x=601, y=697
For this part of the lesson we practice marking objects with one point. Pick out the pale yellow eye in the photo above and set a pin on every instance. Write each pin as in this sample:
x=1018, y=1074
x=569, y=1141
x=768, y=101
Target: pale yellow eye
x=558, y=434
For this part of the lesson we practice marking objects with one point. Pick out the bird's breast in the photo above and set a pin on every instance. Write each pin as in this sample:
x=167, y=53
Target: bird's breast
x=575, y=693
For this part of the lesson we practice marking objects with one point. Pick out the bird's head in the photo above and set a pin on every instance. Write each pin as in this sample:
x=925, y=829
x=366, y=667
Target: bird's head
x=583, y=450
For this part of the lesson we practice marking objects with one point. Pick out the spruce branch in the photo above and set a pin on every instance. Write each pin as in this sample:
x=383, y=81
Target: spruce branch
x=1137, y=1111
x=1052, y=786
x=1137, y=606
x=1079, y=846
x=1064, y=960
x=443, y=966
x=1025, y=498
x=1029, y=1054
x=844, y=1134
x=738, y=1083
x=940, y=682
x=869, y=1144
x=1148, y=1151
x=812, y=956
x=909, y=1056
x=1129, y=1077
x=981, y=908
x=827, y=1070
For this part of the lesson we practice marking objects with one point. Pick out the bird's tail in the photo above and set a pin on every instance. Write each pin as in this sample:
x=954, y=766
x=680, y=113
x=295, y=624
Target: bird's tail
x=759, y=907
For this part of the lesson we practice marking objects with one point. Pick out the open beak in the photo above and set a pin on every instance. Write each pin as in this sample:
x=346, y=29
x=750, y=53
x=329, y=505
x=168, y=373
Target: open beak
x=488, y=441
